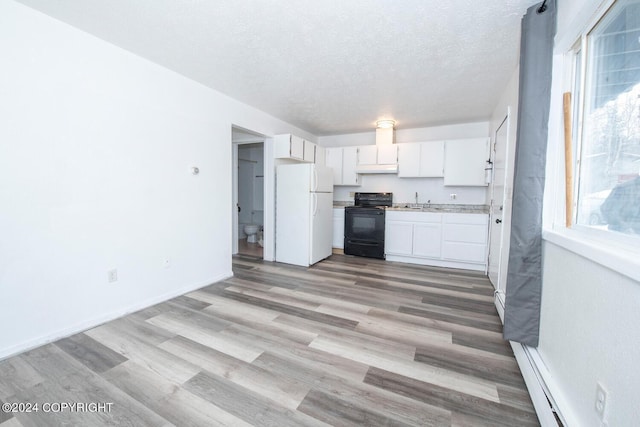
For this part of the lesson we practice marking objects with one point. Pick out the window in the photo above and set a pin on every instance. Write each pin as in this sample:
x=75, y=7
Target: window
x=607, y=96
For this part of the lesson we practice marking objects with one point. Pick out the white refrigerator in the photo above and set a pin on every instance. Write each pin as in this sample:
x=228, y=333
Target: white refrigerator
x=304, y=213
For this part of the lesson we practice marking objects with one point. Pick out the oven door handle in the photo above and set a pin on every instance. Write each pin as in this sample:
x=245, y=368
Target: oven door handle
x=363, y=242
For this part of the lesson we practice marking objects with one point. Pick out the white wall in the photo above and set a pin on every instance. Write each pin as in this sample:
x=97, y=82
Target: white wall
x=589, y=332
x=590, y=316
x=404, y=189
x=95, y=150
x=434, y=133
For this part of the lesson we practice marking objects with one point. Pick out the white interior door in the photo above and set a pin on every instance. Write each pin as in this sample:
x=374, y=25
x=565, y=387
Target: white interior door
x=245, y=192
x=497, y=248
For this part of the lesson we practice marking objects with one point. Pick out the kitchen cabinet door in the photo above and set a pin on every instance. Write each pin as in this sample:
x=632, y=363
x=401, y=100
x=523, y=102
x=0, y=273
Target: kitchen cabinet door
x=464, y=162
x=282, y=146
x=333, y=160
x=338, y=228
x=320, y=156
x=465, y=237
x=309, y=152
x=408, y=160
x=349, y=164
x=297, y=148
x=432, y=159
x=398, y=238
x=367, y=155
x=287, y=146
x=387, y=154
x=427, y=240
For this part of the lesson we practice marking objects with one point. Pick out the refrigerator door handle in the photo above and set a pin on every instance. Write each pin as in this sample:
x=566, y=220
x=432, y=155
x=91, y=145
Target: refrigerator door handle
x=314, y=200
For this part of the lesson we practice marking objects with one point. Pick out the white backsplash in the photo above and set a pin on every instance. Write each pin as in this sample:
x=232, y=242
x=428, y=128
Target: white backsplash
x=404, y=190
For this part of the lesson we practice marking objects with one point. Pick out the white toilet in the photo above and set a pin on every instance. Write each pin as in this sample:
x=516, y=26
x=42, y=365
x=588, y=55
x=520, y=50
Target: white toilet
x=251, y=231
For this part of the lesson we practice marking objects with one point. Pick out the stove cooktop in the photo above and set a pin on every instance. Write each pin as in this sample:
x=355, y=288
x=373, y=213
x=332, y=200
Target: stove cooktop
x=373, y=200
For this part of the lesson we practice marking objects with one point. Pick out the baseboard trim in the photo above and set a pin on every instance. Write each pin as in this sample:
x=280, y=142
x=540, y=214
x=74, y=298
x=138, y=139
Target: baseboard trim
x=438, y=262
x=534, y=385
x=104, y=318
x=544, y=394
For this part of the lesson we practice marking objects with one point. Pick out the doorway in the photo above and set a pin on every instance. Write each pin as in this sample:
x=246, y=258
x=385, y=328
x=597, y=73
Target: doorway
x=248, y=193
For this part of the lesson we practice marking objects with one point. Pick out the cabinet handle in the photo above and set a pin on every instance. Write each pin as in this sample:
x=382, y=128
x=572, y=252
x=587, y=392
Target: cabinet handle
x=498, y=221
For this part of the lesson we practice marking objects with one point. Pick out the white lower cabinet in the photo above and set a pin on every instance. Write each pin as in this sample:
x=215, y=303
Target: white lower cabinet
x=426, y=240
x=465, y=237
x=338, y=228
x=444, y=240
x=398, y=238
x=413, y=234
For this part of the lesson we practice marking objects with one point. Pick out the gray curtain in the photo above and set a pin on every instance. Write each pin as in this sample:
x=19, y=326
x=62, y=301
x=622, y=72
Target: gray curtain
x=524, y=277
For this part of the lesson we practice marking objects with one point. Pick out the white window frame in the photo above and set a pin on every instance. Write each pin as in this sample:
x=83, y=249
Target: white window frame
x=615, y=251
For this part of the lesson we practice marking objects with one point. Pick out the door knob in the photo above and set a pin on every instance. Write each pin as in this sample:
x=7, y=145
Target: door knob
x=498, y=221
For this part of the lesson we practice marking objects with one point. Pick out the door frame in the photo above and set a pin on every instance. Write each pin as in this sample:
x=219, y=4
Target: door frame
x=252, y=138
x=501, y=245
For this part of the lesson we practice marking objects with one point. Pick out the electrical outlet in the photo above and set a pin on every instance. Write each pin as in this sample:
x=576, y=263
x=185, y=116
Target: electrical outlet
x=453, y=196
x=601, y=401
x=352, y=194
x=167, y=263
x=112, y=275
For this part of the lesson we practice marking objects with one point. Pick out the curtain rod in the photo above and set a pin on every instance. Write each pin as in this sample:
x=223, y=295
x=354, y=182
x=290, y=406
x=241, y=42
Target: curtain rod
x=542, y=7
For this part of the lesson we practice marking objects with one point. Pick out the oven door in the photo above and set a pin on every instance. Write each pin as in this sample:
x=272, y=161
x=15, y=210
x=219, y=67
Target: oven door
x=364, y=232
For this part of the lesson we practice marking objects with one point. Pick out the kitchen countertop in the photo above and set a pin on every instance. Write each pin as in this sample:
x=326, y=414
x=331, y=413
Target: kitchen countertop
x=430, y=207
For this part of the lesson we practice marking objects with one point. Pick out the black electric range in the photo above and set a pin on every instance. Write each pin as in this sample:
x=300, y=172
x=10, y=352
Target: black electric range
x=364, y=224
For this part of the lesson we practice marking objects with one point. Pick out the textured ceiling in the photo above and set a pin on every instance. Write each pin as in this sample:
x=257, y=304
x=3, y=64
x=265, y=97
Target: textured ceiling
x=327, y=66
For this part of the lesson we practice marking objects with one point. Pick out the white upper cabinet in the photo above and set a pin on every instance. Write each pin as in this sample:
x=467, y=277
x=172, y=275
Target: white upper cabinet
x=333, y=160
x=349, y=164
x=377, y=154
x=297, y=147
x=421, y=159
x=287, y=146
x=465, y=162
x=432, y=159
x=309, y=152
x=367, y=155
x=343, y=161
x=320, y=156
x=409, y=160
x=387, y=154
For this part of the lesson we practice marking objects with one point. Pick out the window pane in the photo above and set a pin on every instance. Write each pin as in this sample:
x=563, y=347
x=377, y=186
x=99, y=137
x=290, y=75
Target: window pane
x=609, y=186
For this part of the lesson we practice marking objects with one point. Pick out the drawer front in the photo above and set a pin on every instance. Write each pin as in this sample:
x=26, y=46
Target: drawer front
x=467, y=252
x=414, y=216
x=466, y=218
x=465, y=233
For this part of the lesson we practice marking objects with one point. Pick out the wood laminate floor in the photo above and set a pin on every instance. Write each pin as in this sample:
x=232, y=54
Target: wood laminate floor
x=349, y=341
x=249, y=249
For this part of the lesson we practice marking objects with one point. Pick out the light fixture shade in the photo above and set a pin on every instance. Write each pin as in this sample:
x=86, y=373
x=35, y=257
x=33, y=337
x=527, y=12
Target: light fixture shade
x=385, y=124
